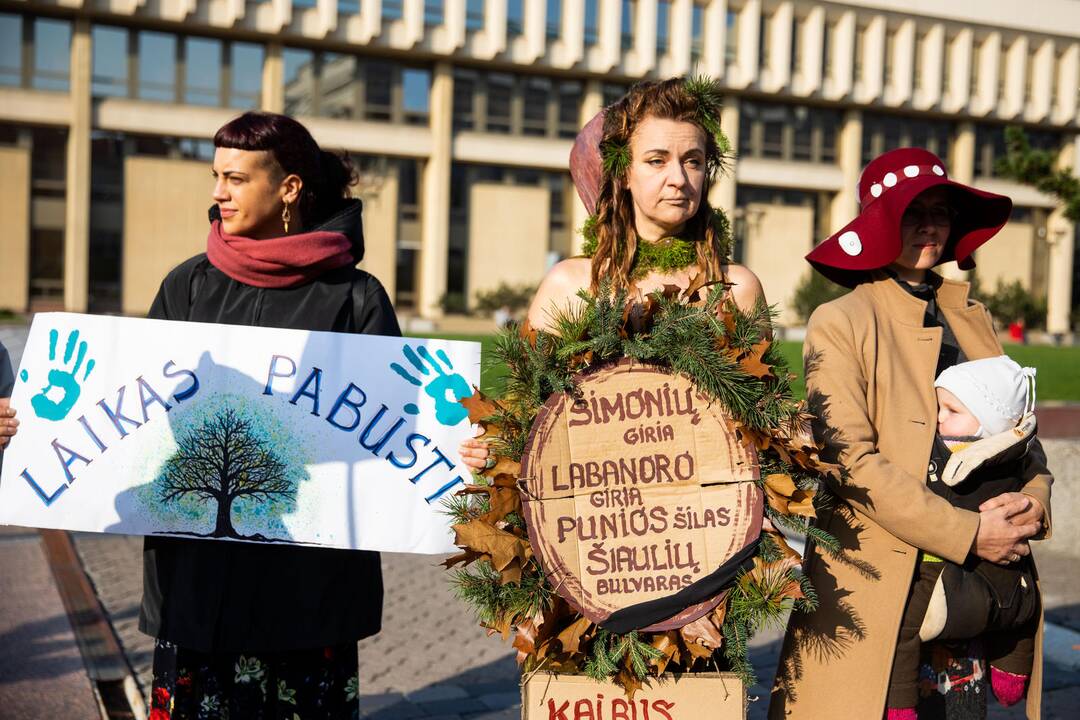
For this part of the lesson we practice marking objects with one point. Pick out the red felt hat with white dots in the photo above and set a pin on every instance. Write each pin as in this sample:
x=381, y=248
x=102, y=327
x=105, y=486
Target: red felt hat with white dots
x=888, y=185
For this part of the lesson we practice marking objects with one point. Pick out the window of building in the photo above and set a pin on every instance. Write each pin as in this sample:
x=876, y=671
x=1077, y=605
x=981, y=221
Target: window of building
x=697, y=31
x=348, y=7
x=629, y=11
x=52, y=54
x=515, y=17
x=554, y=18
x=592, y=21
x=990, y=145
x=48, y=184
x=392, y=10
x=537, y=93
x=11, y=40
x=1003, y=69
x=890, y=54
x=433, y=12
x=202, y=71
x=157, y=66
x=415, y=94
x=300, y=76
x=379, y=90
x=788, y=132
x=569, y=109
x=500, y=94
x=339, y=84
x=888, y=132
x=109, y=76
x=474, y=15
x=731, y=38
x=303, y=4
x=245, y=75
x=663, y=26
x=465, y=84
x=612, y=92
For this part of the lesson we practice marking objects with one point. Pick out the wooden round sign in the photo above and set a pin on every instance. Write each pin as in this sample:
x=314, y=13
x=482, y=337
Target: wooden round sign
x=637, y=491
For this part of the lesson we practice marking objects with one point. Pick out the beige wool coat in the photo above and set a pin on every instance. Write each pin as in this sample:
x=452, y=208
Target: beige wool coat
x=870, y=367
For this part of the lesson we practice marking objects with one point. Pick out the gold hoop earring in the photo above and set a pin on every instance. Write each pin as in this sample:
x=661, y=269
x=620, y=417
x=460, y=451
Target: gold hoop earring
x=286, y=216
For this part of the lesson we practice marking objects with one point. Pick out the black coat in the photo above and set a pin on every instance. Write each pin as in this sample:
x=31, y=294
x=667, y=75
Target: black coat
x=217, y=596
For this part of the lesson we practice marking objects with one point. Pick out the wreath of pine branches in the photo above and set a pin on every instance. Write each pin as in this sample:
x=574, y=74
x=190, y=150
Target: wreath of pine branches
x=729, y=355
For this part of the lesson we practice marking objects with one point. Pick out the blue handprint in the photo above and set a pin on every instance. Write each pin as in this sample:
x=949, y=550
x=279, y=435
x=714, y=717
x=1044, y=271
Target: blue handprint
x=446, y=389
x=61, y=380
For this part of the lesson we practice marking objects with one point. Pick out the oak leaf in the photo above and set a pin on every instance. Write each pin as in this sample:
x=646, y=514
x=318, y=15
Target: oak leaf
x=483, y=537
x=479, y=406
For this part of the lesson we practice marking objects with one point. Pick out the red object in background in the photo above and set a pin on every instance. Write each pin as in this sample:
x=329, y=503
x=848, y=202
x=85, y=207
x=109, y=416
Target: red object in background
x=1016, y=331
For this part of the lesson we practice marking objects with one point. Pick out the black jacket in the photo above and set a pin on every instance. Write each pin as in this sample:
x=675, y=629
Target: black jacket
x=217, y=596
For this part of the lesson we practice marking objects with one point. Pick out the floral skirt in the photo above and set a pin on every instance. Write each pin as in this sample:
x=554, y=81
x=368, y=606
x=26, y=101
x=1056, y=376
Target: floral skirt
x=316, y=684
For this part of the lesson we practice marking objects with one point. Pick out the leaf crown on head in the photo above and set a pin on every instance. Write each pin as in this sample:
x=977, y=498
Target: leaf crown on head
x=708, y=98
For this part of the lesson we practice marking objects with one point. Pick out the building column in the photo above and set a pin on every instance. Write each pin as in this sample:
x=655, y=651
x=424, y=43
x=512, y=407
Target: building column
x=273, y=80
x=1061, y=235
x=961, y=169
x=591, y=104
x=722, y=195
x=435, y=195
x=845, y=205
x=77, y=206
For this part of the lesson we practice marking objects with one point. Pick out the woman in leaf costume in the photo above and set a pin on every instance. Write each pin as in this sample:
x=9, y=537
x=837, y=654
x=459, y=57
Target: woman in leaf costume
x=643, y=167
x=655, y=285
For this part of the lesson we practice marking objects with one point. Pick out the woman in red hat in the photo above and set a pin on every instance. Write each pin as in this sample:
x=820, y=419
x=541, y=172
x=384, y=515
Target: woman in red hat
x=643, y=168
x=871, y=357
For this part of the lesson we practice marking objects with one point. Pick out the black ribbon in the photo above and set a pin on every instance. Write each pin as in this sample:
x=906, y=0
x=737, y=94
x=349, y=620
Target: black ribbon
x=651, y=612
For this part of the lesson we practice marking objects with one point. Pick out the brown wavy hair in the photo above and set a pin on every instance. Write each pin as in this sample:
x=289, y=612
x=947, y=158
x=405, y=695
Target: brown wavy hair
x=616, y=234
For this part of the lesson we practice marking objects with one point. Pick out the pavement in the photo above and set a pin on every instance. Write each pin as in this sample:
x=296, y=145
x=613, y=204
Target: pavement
x=431, y=660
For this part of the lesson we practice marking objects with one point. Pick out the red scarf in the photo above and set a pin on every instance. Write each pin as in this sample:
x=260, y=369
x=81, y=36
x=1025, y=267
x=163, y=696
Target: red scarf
x=280, y=262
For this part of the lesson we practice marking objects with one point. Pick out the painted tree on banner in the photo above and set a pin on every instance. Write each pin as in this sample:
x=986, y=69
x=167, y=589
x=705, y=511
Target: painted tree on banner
x=224, y=460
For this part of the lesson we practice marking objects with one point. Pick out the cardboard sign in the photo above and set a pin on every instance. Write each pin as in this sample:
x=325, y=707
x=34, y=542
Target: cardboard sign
x=237, y=433
x=636, y=492
x=697, y=696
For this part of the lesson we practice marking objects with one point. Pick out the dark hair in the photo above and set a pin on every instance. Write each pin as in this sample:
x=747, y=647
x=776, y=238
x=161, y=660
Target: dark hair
x=327, y=176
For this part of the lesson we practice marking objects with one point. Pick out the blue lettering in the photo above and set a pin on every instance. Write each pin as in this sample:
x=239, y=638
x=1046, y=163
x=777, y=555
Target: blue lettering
x=378, y=446
x=47, y=499
x=181, y=395
x=66, y=462
x=273, y=373
x=93, y=436
x=316, y=376
x=343, y=399
x=439, y=459
x=117, y=416
x=147, y=396
x=442, y=491
x=408, y=446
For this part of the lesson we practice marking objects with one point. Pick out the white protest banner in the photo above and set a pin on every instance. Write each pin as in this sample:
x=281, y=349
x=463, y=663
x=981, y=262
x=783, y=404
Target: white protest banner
x=253, y=434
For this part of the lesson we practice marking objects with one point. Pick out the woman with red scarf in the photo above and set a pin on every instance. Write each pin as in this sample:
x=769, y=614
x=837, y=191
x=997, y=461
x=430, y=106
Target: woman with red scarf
x=246, y=630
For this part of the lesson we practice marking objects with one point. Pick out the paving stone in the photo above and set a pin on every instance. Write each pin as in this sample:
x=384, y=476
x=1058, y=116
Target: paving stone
x=458, y=706
x=499, y=701
x=436, y=693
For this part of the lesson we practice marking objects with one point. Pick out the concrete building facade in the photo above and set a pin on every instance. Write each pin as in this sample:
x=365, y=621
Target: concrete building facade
x=460, y=115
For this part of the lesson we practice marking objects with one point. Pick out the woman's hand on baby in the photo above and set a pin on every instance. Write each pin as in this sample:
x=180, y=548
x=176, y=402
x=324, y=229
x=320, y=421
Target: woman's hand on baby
x=8, y=424
x=474, y=453
x=999, y=539
x=1035, y=513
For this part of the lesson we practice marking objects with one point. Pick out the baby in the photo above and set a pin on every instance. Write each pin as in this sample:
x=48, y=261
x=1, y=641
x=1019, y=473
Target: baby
x=985, y=427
